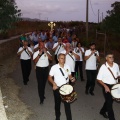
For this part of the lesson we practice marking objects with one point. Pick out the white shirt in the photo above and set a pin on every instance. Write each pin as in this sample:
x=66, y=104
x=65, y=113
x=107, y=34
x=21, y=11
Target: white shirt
x=31, y=37
x=59, y=48
x=24, y=55
x=74, y=44
x=59, y=79
x=105, y=75
x=79, y=53
x=69, y=61
x=91, y=62
x=43, y=60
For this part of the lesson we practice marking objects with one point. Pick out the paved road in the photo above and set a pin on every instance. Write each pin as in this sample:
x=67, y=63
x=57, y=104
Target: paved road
x=85, y=108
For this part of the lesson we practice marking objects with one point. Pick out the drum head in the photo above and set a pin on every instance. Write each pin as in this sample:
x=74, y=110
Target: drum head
x=115, y=91
x=66, y=89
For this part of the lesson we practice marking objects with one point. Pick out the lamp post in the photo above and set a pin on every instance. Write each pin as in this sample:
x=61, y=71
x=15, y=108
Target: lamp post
x=51, y=24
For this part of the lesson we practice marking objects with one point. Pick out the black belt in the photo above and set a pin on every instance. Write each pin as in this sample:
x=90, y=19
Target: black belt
x=42, y=67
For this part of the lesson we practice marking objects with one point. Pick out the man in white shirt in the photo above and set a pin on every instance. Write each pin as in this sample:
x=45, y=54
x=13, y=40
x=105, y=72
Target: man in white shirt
x=58, y=47
x=25, y=54
x=107, y=80
x=71, y=56
x=41, y=59
x=91, y=57
x=58, y=81
x=79, y=63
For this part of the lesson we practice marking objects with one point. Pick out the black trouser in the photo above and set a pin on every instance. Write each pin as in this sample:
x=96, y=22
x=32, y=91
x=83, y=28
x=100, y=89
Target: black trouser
x=56, y=60
x=73, y=75
x=79, y=64
x=26, y=69
x=42, y=76
x=57, y=99
x=107, y=107
x=91, y=77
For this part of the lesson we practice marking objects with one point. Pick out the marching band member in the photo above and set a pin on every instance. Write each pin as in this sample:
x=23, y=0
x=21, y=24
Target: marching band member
x=91, y=56
x=36, y=47
x=106, y=80
x=25, y=54
x=58, y=47
x=41, y=59
x=71, y=56
x=79, y=63
x=61, y=73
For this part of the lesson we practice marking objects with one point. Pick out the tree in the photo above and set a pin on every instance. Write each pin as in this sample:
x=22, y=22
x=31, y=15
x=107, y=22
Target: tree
x=8, y=14
x=112, y=21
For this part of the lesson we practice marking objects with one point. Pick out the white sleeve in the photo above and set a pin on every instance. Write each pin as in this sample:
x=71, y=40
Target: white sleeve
x=100, y=73
x=118, y=71
x=86, y=53
x=46, y=46
x=64, y=44
x=83, y=50
x=55, y=45
x=49, y=53
x=97, y=53
x=51, y=73
x=19, y=49
x=35, y=46
x=30, y=50
x=35, y=55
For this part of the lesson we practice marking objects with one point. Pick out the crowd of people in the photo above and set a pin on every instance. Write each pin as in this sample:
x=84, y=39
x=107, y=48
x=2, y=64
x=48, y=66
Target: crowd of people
x=58, y=57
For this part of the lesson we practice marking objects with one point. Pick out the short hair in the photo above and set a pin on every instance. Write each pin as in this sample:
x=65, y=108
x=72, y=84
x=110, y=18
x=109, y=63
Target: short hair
x=78, y=43
x=108, y=53
x=60, y=54
x=92, y=43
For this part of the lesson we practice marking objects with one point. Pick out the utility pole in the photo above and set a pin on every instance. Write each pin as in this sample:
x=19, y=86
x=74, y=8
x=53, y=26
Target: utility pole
x=102, y=16
x=100, y=19
x=98, y=15
x=87, y=10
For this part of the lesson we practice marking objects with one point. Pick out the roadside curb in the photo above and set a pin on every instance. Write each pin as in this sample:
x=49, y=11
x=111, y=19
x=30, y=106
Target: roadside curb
x=2, y=109
x=11, y=38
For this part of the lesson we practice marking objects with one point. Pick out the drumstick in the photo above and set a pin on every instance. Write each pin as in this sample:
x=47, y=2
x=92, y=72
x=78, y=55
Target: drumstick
x=114, y=88
x=63, y=91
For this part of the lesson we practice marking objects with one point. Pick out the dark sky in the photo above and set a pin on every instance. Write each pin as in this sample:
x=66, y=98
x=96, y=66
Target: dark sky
x=63, y=10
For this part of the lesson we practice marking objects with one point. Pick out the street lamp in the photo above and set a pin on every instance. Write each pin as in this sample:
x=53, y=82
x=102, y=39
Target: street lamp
x=51, y=24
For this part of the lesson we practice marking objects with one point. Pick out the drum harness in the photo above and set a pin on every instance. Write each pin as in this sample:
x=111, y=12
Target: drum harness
x=26, y=52
x=62, y=73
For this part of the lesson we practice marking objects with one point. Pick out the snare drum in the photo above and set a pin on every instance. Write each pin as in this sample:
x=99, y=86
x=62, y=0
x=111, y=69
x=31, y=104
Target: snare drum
x=67, y=93
x=115, y=92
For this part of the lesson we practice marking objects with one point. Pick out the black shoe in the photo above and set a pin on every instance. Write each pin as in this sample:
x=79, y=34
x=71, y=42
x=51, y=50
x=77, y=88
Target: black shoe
x=44, y=97
x=92, y=93
x=57, y=119
x=25, y=83
x=41, y=102
x=86, y=92
x=82, y=80
x=104, y=114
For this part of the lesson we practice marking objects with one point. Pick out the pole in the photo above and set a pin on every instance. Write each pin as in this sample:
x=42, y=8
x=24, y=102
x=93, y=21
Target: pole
x=96, y=34
x=102, y=16
x=87, y=20
x=98, y=15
